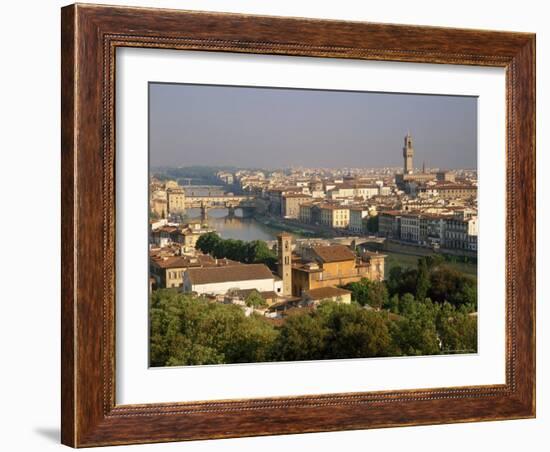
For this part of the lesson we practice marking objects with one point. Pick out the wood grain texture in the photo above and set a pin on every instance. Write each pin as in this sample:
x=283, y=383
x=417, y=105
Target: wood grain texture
x=68, y=244
x=90, y=36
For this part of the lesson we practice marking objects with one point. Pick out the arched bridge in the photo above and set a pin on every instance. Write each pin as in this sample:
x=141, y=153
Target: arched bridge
x=230, y=202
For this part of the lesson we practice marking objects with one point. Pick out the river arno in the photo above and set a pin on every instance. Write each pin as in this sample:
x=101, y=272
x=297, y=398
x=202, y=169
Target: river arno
x=235, y=227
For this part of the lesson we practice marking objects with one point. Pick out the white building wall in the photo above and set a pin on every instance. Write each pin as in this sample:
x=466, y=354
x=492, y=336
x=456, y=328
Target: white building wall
x=278, y=286
x=472, y=226
x=367, y=192
x=261, y=285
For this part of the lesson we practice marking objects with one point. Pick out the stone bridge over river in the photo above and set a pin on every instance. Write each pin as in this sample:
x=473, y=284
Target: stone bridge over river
x=229, y=202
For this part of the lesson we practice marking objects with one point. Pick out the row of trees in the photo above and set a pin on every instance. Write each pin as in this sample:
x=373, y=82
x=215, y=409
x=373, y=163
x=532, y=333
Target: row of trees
x=435, y=280
x=434, y=306
x=252, y=252
x=187, y=330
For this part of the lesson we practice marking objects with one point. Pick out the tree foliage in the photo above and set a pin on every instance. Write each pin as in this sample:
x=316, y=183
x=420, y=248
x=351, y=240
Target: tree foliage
x=457, y=329
x=186, y=330
x=423, y=311
x=355, y=332
x=300, y=338
x=255, y=300
x=416, y=332
x=435, y=280
x=372, y=224
x=422, y=280
x=252, y=252
x=367, y=292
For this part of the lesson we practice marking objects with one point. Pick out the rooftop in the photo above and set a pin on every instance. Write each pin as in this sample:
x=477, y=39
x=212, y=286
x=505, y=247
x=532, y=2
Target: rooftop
x=296, y=195
x=175, y=262
x=455, y=187
x=201, y=260
x=333, y=207
x=243, y=272
x=334, y=253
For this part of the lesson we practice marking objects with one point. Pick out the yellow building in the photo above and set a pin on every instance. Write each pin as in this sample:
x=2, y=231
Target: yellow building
x=456, y=191
x=159, y=207
x=316, y=296
x=291, y=204
x=333, y=266
x=176, y=200
x=171, y=184
x=167, y=271
x=334, y=216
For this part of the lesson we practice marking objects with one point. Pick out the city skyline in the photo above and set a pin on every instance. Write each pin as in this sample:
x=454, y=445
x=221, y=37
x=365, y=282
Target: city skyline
x=207, y=125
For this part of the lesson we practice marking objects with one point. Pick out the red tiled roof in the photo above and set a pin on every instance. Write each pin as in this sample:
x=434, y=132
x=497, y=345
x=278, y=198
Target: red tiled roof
x=333, y=207
x=334, y=253
x=243, y=272
x=177, y=262
x=201, y=260
x=296, y=195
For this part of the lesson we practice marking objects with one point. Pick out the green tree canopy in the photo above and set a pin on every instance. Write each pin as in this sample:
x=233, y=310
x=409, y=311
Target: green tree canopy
x=372, y=224
x=367, y=292
x=252, y=252
x=355, y=332
x=302, y=337
x=186, y=330
x=422, y=280
x=416, y=333
x=207, y=242
x=255, y=300
x=447, y=284
x=457, y=330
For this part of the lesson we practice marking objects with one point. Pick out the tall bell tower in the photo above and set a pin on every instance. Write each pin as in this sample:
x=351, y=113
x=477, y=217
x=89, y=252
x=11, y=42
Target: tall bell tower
x=408, y=154
x=284, y=247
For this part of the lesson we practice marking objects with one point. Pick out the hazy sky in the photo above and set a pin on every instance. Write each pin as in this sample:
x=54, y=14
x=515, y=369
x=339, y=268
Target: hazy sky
x=274, y=128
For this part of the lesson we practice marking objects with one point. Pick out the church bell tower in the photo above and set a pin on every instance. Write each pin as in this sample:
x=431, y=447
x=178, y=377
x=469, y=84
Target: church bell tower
x=408, y=154
x=284, y=242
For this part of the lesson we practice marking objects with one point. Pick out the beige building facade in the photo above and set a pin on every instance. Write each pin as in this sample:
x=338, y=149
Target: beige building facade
x=334, y=216
x=176, y=201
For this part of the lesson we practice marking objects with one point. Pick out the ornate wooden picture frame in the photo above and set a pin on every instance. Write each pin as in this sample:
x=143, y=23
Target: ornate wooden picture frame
x=90, y=37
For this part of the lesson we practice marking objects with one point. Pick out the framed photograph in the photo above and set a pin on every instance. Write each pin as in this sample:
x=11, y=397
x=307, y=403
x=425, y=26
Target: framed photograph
x=281, y=225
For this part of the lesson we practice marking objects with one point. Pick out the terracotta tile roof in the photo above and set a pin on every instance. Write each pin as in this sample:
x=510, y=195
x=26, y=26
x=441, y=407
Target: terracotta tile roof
x=296, y=195
x=244, y=272
x=202, y=260
x=174, y=262
x=167, y=229
x=334, y=253
x=333, y=207
x=452, y=185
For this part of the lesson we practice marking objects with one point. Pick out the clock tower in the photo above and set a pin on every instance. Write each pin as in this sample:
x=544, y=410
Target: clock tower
x=408, y=154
